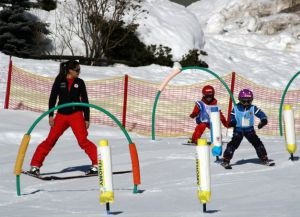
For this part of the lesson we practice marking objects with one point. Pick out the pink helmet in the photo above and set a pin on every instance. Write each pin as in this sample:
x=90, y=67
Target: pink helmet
x=246, y=94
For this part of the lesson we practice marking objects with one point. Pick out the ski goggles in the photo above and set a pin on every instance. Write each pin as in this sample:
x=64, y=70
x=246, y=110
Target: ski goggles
x=246, y=101
x=209, y=96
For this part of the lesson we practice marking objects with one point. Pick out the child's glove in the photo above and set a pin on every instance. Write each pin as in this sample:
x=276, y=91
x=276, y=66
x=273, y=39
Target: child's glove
x=232, y=124
x=192, y=115
x=262, y=123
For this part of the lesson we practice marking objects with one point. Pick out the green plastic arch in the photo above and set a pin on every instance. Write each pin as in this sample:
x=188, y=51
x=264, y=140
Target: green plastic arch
x=83, y=105
x=186, y=68
x=282, y=101
x=68, y=105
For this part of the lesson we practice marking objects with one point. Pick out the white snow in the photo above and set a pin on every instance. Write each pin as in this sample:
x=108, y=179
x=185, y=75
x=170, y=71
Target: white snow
x=167, y=167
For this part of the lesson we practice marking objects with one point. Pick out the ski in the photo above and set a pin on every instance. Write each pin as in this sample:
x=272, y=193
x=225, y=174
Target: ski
x=226, y=166
x=52, y=178
x=269, y=164
x=49, y=178
x=192, y=144
x=209, y=143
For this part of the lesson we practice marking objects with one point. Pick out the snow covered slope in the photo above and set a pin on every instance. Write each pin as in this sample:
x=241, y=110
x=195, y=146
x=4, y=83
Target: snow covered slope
x=167, y=173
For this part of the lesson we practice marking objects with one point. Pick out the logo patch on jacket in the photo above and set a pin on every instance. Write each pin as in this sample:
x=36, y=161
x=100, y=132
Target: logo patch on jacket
x=76, y=85
x=63, y=85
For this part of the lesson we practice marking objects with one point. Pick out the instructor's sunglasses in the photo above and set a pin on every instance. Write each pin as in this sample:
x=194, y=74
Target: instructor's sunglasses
x=77, y=70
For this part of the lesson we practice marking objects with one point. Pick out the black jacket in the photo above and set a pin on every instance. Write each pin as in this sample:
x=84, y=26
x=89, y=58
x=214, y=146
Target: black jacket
x=77, y=93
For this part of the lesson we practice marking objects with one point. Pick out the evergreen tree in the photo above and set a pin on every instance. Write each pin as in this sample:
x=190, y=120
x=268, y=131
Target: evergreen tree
x=135, y=52
x=192, y=59
x=22, y=34
x=131, y=49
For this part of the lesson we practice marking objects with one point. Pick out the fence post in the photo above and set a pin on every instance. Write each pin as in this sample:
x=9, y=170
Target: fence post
x=230, y=99
x=8, y=84
x=125, y=100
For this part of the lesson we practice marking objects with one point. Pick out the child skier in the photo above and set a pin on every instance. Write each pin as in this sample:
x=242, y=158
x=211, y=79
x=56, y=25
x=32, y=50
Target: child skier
x=201, y=112
x=242, y=119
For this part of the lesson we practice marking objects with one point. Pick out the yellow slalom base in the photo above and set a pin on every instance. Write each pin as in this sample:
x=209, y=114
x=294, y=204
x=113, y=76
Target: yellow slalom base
x=21, y=154
x=204, y=196
x=107, y=197
x=291, y=148
x=202, y=142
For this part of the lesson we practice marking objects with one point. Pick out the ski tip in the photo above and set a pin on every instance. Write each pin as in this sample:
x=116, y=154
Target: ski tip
x=227, y=167
x=191, y=144
x=32, y=175
x=270, y=164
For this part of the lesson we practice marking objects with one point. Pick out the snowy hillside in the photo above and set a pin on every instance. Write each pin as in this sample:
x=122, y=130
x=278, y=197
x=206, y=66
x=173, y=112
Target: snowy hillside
x=260, y=23
x=249, y=37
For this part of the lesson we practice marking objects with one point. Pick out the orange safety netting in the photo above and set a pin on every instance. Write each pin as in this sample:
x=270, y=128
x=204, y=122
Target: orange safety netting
x=31, y=92
x=268, y=99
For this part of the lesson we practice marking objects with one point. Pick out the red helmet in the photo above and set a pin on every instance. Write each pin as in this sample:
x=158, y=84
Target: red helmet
x=208, y=90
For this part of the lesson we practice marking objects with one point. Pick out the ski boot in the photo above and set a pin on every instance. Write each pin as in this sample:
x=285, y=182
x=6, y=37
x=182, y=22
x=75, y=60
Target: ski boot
x=92, y=171
x=267, y=162
x=226, y=164
x=34, y=171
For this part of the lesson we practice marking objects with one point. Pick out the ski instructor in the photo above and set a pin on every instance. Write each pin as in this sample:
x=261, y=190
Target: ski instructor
x=67, y=87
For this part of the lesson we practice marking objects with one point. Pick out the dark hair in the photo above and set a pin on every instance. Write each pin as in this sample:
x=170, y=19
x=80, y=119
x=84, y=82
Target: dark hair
x=65, y=66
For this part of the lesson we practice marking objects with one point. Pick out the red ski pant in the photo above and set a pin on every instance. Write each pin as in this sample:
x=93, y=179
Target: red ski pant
x=199, y=131
x=61, y=123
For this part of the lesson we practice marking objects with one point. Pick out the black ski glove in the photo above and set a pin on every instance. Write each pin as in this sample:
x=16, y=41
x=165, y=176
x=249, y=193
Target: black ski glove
x=262, y=123
x=232, y=123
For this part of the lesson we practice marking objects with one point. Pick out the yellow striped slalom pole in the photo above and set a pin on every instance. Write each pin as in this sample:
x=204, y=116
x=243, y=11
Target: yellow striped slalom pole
x=289, y=125
x=203, y=172
x=105, y=174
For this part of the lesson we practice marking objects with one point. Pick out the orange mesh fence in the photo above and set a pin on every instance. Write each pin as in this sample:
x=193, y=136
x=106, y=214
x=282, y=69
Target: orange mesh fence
x=268, y=100
x=31, y=92
x=107, y=94
x=141, y=95
x=176, y=103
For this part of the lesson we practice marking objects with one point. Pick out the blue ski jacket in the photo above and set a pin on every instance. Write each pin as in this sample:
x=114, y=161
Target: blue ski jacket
x=242, y=118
